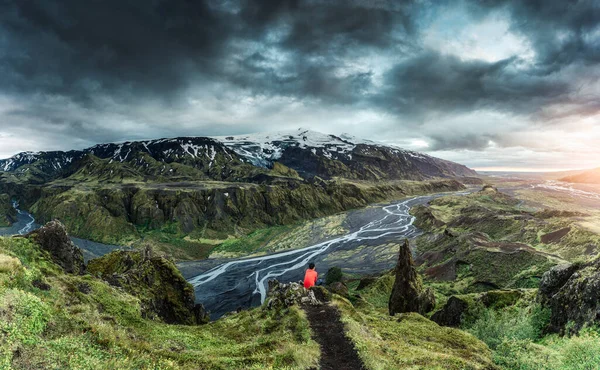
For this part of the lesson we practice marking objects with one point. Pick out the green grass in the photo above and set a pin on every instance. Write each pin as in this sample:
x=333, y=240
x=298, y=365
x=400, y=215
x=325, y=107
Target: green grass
x=252, y=243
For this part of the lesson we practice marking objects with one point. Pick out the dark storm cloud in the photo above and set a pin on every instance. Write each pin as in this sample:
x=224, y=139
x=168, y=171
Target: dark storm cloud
x=103, y=70
x=80, y=48
x=431, y=81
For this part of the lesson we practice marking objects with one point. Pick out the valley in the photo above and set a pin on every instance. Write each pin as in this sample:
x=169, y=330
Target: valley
x=229, y=215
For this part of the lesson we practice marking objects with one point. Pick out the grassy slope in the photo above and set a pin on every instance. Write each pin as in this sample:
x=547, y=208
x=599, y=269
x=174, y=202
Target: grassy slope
x=103, y=329
x=406, y=341
x=513, y=329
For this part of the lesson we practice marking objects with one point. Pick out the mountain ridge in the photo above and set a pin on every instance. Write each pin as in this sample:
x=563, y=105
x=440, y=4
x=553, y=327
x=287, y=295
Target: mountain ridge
x=311, y=154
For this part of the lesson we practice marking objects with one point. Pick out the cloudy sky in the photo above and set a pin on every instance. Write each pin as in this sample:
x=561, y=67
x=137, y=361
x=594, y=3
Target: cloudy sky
x=489, y=83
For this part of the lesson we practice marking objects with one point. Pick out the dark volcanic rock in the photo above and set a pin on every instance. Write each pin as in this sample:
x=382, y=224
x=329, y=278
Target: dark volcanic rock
x=452, y=312
x=163, y=292
x=41, y=285
x=572, y=292
x=53, y=238
x=408, y=294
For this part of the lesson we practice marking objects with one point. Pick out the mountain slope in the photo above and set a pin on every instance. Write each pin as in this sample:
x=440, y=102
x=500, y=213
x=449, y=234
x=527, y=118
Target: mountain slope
x=241, y=158
x=586, y=177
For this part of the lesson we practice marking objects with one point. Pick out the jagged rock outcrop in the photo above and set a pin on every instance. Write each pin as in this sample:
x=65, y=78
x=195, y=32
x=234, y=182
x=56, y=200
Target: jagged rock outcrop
x=408, y=294
x=281, y=295
x=452, y=312
x=155, y=280
x=53, y=238
x=572, y=292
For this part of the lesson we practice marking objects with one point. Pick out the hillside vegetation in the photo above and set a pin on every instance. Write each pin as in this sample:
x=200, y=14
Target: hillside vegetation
x=51, y=319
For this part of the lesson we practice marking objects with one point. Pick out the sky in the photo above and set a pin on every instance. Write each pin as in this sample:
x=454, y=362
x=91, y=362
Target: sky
x=493, y=84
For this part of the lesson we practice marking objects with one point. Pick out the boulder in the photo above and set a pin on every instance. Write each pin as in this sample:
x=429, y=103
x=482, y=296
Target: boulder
x=572, y=292
x=408, y=294
x=156, y=281
x=452, y=312
x=53, y=238
x=282, y=295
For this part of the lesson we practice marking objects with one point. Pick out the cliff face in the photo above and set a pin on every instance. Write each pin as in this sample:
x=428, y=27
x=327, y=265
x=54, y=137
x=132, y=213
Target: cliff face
x=114, y=214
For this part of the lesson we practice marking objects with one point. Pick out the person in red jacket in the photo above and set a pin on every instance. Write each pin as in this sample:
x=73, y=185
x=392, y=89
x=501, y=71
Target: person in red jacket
x=310, y=277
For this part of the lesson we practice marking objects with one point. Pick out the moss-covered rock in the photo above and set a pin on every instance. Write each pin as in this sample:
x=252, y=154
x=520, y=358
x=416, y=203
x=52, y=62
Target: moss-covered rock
x=155, y=280
x=54, y=239
x=572, y=292
x=452, y=312
x=408, y=293
x=282, y=296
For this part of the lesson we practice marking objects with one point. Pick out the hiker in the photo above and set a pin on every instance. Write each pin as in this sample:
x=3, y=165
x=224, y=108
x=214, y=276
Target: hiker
x=310, y=277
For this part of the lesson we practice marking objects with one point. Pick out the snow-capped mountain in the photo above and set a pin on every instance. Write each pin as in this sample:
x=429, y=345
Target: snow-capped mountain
x=310, y=153
x=264, y=149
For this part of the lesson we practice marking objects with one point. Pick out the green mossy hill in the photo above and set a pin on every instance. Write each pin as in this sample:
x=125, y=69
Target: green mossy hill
x=8, y=214
x=118, y=214
x=472, y=262
x=502, y=218
x=459, y=309
x=155, y=280
x=52, y=320
x=95, y=215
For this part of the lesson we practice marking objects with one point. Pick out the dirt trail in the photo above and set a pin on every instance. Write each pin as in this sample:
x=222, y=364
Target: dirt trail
x=337, y=351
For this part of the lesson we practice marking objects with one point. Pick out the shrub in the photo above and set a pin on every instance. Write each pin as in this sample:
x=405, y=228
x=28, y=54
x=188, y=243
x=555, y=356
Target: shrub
x=512, y=323
x=334, y=275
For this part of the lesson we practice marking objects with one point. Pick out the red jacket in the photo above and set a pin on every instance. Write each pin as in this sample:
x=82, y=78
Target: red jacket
x=310, y=278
